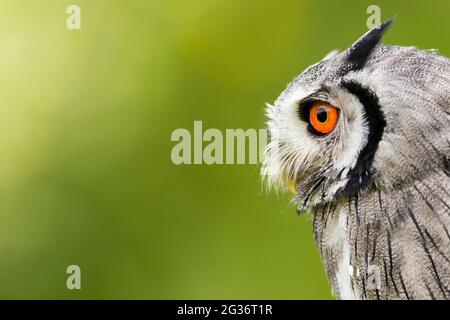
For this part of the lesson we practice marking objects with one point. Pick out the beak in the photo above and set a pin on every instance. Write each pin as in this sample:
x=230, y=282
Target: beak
x=290, y=185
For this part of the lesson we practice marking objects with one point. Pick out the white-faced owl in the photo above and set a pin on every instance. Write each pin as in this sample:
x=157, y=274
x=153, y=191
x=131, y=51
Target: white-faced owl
x=362, y=139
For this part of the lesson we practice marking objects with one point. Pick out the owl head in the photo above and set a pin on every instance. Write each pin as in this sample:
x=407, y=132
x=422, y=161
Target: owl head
x=368, y=118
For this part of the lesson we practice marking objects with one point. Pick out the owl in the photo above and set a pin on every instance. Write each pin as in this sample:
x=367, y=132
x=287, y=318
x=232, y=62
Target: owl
x=362, y=140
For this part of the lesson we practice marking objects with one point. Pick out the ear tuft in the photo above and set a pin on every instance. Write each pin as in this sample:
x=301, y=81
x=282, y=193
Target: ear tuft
x=360, y=51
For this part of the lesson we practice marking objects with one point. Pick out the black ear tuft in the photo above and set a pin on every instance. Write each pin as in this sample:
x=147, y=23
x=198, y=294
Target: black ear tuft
x=360, y=51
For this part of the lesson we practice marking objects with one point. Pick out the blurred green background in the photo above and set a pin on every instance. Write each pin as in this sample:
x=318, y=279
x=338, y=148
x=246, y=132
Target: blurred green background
x=86, y=117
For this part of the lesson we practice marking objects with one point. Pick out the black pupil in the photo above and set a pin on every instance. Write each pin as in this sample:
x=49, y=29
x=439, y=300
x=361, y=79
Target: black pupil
x=321, y=115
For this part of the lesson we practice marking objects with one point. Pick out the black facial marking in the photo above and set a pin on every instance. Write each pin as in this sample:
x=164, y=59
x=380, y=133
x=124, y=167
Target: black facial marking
x=361, y=173
x=360, y=51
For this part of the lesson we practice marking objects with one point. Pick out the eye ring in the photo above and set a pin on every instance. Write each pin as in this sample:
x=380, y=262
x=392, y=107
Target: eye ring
x=322, y=117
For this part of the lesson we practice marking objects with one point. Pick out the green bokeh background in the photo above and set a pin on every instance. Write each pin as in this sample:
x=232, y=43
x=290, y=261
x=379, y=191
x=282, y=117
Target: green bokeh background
x=86, y=116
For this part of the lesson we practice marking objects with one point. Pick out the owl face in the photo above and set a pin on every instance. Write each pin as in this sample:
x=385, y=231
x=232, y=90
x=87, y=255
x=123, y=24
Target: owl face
x=318, y=129
x=344, y=125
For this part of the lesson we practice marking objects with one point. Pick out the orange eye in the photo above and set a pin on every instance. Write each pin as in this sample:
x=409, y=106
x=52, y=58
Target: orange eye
x=322, y=117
